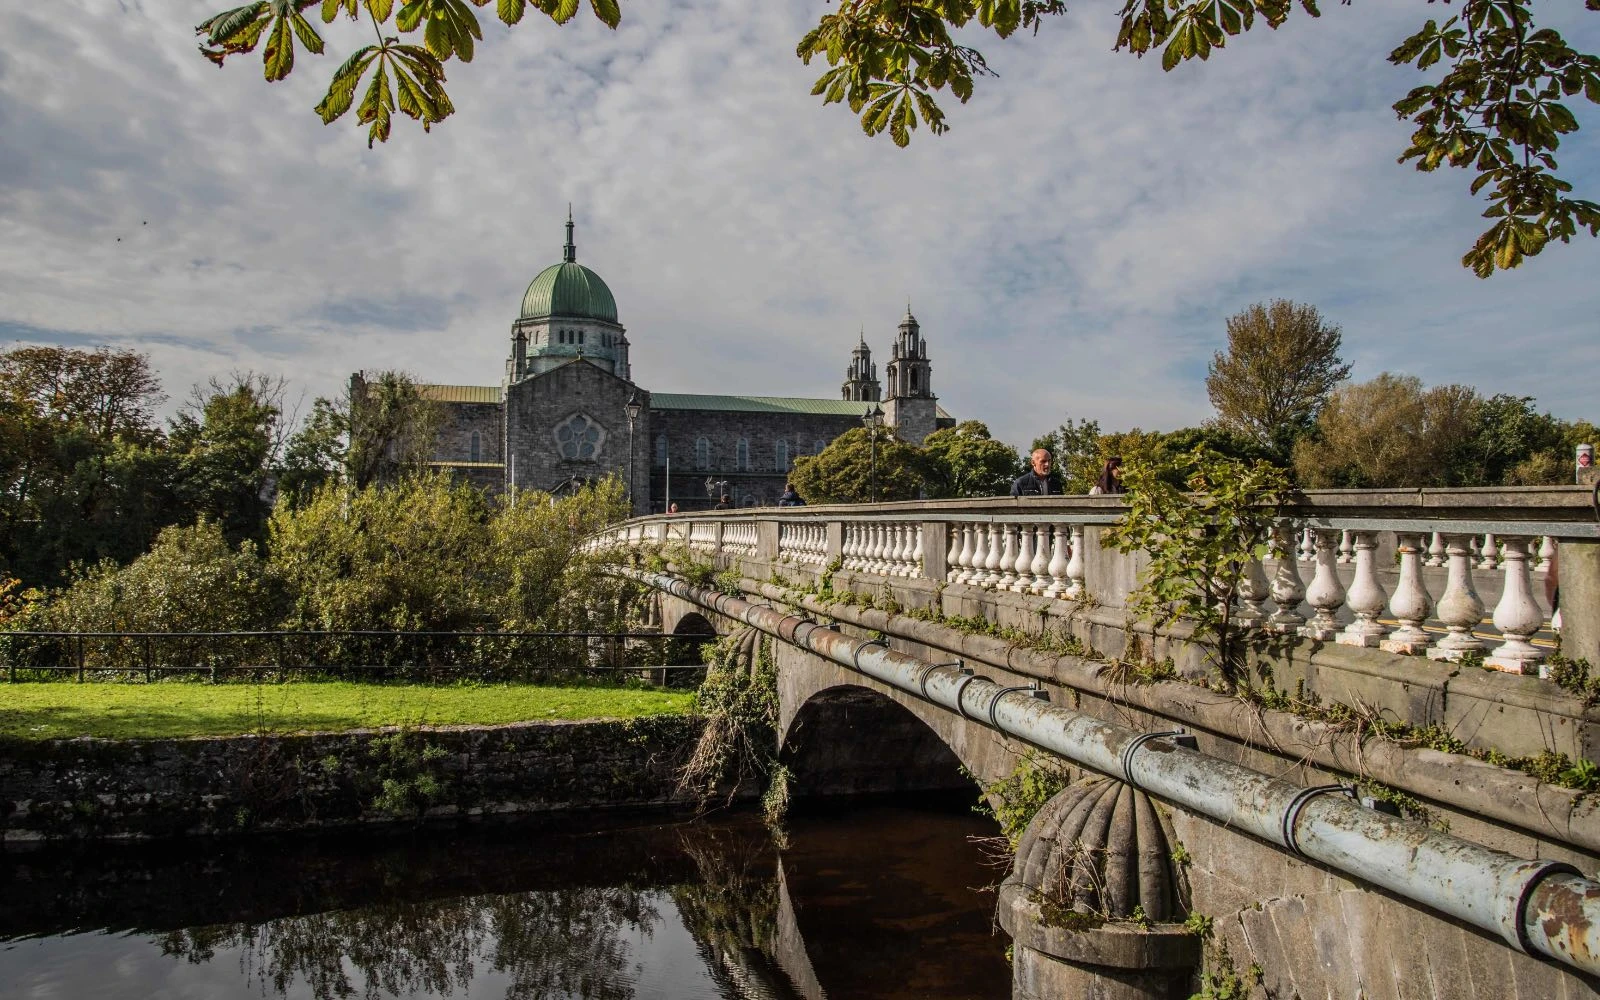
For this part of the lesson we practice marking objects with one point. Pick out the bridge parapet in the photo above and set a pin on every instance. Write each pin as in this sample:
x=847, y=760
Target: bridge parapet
x=1446, y=574
x=1382, y=600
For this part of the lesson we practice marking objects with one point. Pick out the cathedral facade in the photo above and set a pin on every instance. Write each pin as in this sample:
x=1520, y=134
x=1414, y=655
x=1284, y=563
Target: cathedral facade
x=568, y=410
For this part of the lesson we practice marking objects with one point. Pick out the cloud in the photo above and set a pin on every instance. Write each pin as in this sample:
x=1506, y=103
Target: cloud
x=1071, y=247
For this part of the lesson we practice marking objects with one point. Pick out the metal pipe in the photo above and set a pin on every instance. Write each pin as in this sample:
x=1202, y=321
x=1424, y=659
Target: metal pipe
x=1538, y=907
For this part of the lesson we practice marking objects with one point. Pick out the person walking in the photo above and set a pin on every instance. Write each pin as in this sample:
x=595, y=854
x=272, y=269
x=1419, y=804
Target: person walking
x=790, y=498
x=726, y=503
x=1039, y=480
x=1110, y=481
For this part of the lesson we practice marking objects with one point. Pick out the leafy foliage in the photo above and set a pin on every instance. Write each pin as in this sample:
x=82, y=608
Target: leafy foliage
x=843, y=472
x=1497, y=106
x=192, y=579
x=1281, y=364
x=964, y=461
x=400, y=74
x=1015, y=799
x=739, y=702
x=1200, y=543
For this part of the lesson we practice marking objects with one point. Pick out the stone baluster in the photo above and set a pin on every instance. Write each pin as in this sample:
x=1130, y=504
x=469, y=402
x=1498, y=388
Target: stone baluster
x=1518, y=615
x=1460, y=608
x=1039, y=569
x=1411, y=602
x=1488, y=560
x=1057, y=567
x=1008, y=559
x=1436, y=550
x=964, y=560
x=1022, y=572
x=1366, y=598
x=1547, y=551
x=902, y=552
x=991, y=562
x=1347, y=549
x=856, y=547
x=980, y=554
x=1076, y=567
x=1252, y=594
x=880, y=549
x=1308, y=546
x=1287, y=588
x=915, y=559
x=893, y=538
x=1326, y=593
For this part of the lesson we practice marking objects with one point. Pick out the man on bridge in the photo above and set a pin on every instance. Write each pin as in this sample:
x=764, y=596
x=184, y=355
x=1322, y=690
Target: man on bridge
x=1039, y=480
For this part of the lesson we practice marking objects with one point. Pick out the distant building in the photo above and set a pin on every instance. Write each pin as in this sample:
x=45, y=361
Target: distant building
x=560, y=415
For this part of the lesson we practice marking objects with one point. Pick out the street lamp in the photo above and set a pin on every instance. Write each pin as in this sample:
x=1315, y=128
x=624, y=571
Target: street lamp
x=872, y=419
x=632, y=408
x=716, y=489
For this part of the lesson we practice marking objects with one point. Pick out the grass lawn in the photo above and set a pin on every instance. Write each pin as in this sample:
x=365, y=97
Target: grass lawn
x=52, y=710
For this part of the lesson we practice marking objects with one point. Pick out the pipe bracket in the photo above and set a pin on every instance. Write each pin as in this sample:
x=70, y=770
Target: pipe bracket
x=961, y=689
x=855, y=654
x=994, y=703
x=1136, y=744
x=1292, y=813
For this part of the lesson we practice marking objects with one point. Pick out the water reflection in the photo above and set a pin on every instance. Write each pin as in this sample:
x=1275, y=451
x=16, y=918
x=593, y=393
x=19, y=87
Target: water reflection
x=875, y=902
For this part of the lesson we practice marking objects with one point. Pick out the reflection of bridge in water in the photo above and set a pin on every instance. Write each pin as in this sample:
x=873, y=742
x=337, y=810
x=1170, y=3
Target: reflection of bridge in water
x=967, y=631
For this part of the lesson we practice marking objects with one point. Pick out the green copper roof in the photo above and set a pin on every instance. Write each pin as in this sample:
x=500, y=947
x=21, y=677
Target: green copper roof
x=569, y=290
x=755, y=404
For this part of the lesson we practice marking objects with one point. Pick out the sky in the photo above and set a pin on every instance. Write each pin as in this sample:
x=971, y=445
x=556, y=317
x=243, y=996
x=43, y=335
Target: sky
x=1072, y=247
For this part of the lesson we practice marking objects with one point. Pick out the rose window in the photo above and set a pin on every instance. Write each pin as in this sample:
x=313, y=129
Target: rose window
x=579, y=437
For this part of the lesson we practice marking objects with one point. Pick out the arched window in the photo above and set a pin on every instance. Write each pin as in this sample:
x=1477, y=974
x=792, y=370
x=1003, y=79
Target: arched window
x=780, y=451
x=580, y=336
x=741, y=454
x=661, y=449
x=748, y=501
x=913, y=380
x=702, y=453
x=821, y=444
x=476, y=448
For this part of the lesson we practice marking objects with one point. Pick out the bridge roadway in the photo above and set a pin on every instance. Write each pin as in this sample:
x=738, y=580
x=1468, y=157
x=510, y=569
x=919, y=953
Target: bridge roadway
x=1479, y=891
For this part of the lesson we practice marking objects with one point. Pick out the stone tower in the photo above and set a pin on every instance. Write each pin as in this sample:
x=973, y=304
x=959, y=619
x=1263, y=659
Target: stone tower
x=861, y=378
x=567, y=313
x=911, y=409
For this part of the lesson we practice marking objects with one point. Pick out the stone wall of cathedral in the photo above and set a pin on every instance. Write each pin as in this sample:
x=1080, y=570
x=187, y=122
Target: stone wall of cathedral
x=570, y=423
x=755, y=471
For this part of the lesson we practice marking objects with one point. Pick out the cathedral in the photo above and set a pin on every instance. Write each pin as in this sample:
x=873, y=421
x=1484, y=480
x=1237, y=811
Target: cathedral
x=568, y=410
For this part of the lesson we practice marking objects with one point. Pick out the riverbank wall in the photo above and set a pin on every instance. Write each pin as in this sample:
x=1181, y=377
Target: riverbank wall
x=87, y=788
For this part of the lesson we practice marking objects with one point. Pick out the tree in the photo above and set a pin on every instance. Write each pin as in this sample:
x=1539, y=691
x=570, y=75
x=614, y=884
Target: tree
x=378, y=430
x=1281, y=364
x=1389, y=432
x=1496, y=107
x=228, y=438
x=964, y=461
x=843, y=471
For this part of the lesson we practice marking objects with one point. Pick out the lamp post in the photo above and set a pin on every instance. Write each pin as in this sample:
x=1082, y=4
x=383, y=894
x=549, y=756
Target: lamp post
x=871, y=419
x=632, y=408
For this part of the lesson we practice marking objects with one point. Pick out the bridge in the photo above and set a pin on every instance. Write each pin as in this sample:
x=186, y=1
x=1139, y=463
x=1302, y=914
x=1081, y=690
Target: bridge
x=1397, y=808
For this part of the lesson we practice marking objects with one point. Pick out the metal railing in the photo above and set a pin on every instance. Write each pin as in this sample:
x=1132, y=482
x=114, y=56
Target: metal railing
x=365, y=654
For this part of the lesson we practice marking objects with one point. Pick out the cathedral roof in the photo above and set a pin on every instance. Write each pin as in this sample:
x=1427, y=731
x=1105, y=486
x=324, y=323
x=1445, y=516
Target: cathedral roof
x=569, y=290
x=753, y=404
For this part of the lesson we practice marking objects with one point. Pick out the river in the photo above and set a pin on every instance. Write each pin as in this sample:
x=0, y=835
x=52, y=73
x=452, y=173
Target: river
x=872, y=901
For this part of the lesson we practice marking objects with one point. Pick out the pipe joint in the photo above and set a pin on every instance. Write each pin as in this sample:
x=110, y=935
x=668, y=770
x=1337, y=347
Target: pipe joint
x=1178, y=737
x=1292, y=813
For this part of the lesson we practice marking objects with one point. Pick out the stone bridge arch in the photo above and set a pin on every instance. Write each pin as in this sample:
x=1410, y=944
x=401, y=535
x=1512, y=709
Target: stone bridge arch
x=843, y=733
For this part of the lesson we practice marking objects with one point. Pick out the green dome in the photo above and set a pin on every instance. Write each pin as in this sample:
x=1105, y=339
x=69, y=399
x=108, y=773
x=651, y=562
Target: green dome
x=569, y=290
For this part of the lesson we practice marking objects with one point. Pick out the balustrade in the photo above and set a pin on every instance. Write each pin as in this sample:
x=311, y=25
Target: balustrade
x=1424, y=603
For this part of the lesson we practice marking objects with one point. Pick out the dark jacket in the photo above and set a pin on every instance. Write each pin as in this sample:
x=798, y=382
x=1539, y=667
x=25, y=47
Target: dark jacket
x=1030, y=484
x=790, y=499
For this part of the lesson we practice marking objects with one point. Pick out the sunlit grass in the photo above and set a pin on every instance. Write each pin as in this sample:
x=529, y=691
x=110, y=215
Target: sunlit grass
x=56, y=710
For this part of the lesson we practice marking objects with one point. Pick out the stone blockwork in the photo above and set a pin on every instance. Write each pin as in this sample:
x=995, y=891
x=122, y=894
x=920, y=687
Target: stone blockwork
x=760, y=482
x=89, y=788
x=536, y=406
x=461, y=421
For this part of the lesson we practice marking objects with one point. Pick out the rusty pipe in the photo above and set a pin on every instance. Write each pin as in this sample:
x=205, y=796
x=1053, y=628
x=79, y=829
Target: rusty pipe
x=1538, y=907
